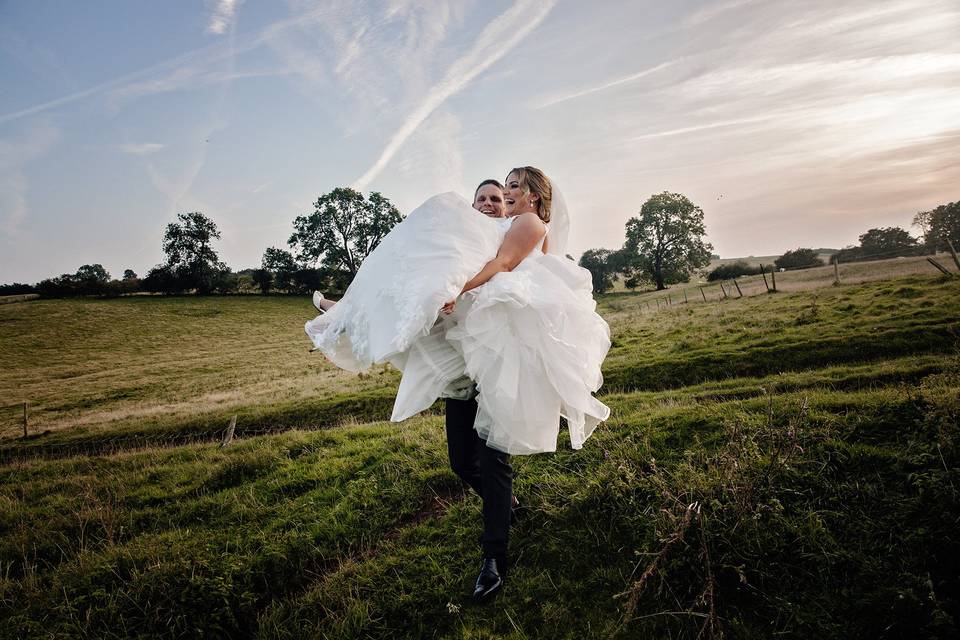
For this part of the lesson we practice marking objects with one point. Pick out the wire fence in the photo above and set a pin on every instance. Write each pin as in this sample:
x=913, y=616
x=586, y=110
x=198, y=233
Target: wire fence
x=870, y=267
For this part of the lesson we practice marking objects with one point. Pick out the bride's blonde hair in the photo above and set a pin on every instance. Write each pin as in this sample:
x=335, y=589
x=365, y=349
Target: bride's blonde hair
x=532, y=180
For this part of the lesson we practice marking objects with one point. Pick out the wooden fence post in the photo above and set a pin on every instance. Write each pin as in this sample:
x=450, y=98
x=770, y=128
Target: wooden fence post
x=685, y=301
x=724, y=290
x=773, y=278
x=836, y=271
x=764, y=272
x=953, y=252
x=940, y=267
x=703, y=294
x=738, y=287
x=24, y=419
x=228, y=435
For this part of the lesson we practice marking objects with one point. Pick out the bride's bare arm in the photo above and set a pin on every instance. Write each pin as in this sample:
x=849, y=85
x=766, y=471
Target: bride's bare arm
x=523, y=236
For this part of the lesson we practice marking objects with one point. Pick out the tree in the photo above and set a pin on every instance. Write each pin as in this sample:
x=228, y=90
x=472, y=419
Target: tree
x=665, y=242
x=281, y=266
x=343, y=229
x=602, y=269
x=91, y=279
x=225, y=281
x=922, y=221
x=129, y=274
x=263, y=279
x=887, y=242
x=162, y=279
x=732, y=270
x=17, y=288
x=190, y=255
x=798, y=259
x=944, y=225
x=63, y=285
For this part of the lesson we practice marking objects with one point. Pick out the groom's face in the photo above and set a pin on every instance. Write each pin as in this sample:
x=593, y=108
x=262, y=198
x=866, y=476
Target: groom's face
x=489, y=201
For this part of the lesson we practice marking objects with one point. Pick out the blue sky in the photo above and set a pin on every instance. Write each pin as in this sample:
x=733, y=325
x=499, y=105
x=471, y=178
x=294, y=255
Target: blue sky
x=790, y=123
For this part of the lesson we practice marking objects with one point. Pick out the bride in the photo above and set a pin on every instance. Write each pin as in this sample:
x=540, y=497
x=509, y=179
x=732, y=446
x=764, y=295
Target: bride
x=518, y=318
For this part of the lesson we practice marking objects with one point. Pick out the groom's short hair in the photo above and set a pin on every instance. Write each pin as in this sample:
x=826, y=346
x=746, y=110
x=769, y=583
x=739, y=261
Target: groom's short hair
x=495, y=183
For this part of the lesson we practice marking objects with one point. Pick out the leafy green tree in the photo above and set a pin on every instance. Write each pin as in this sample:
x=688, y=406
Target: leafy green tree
x=281, y=266
x=665, y=242
x=17, y=288
x=263, y=279
x=943, y=225
x=129, y=274
x=62, y=285
x=732, y=270
x=92, y=273
x=887, y=242
x=602, y=269
x=190, y=254
x=922, y=221
x=343, y=229
x=91, y=279
x=798, y=259
x=225, y=281
x=162, y=279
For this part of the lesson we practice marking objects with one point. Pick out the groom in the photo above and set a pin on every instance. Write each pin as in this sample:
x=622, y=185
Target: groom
x=486, y=470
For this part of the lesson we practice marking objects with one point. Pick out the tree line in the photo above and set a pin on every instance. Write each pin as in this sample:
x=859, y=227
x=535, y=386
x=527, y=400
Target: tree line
x=324, y=251
x=664, y=244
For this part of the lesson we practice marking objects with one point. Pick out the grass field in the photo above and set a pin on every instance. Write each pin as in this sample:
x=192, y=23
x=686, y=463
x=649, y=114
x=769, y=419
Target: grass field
x=775, y=466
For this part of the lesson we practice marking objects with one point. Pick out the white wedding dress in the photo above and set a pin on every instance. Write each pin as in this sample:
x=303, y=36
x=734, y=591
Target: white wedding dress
x=530, y=338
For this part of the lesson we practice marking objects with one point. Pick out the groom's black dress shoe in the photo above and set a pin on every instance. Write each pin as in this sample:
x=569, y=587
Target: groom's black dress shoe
x=490, y=580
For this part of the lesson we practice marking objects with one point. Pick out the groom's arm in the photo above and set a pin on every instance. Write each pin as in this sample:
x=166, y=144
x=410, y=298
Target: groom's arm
x=524, y=234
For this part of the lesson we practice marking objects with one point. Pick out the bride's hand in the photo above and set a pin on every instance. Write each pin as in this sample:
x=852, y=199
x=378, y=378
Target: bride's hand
x=448, y=307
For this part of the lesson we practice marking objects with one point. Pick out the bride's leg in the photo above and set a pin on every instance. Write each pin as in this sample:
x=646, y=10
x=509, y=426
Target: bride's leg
x=322, y=304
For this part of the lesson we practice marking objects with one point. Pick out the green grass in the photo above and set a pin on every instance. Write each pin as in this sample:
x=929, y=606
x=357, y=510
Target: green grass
x=141, y=363
x=774, y=466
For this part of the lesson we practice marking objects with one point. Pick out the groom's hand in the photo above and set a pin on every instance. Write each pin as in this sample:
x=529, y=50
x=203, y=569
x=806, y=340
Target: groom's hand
x=448, y=307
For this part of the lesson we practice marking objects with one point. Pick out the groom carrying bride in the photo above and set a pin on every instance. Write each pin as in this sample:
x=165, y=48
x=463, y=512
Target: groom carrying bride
x=518, y=344
x=486, y=470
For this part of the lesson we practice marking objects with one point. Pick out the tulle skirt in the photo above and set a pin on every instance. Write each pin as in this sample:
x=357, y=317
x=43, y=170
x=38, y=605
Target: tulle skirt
x=534, y=344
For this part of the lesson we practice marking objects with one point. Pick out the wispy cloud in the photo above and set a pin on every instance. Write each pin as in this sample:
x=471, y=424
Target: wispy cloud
x=712, y=11
x=223, y=16
x=187, y=70
x=607, y=85
x=141, y=149
x=14, y=156
x=703, y=127
x=495, y=41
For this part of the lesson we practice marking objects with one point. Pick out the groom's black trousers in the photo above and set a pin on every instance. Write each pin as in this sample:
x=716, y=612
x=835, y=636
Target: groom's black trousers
x=487, y=470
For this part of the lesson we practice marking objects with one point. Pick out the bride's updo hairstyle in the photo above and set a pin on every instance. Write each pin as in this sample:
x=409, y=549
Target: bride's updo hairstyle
x=532, y=180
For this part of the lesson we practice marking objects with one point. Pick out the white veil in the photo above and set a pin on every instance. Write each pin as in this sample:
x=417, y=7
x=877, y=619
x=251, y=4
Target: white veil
x=559, y=224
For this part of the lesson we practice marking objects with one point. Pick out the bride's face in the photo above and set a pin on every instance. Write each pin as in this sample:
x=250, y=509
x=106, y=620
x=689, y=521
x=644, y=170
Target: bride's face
x=515, y=199
x=489, y=201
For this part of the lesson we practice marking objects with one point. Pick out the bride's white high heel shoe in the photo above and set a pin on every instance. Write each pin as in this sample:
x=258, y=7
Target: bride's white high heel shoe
x=317, y=299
